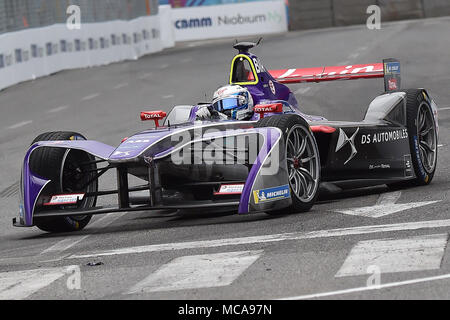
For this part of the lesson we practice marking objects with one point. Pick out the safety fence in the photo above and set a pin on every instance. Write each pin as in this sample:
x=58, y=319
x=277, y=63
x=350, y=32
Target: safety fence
x=23, y=14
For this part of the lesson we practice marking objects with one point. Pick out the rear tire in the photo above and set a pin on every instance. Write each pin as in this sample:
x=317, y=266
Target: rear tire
x=303, y=160
x=48, y=163
x=423, y=142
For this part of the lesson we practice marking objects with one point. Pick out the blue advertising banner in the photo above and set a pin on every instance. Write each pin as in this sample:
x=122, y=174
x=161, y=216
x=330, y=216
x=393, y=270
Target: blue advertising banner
x=196, y=3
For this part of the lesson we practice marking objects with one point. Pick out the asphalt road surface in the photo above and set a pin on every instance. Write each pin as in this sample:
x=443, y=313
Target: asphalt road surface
x=334, y=251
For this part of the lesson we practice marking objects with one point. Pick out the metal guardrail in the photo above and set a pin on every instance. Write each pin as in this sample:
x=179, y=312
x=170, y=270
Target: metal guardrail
x=22, y=14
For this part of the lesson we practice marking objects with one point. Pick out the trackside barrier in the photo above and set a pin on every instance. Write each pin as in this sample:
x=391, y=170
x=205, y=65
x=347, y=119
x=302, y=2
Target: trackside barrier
x=32, y=53
x=229, y=20
x=36, y=52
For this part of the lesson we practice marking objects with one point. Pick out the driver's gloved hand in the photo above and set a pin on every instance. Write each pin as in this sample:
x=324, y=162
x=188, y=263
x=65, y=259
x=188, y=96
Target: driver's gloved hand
x=203, y=113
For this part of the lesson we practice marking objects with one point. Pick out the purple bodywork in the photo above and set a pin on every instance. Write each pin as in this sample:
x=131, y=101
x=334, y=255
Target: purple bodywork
x=143, y=144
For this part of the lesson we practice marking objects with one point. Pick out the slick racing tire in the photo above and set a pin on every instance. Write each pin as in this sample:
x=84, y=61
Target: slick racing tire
x=303, y=160
x=423, y=138
x=69, y=171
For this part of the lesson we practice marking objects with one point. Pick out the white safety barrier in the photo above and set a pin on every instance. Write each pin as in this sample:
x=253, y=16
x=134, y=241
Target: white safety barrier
x=210, y=22
x=33, y=53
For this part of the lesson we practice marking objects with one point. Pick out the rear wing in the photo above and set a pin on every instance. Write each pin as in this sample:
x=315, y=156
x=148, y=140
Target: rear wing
x=389, y=70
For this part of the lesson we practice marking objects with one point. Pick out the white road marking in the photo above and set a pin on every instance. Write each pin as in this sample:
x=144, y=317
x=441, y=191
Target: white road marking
x=21, y=284
x=302, y=90
x=68, y=243
x=20, y=124
x=382, y=210
x=442, y=109
x=121, y=85
x=200, y=271
x=169, y=96
x=145, y=76
x=58, y=109
x=186, y=60
x=389, y=198
x=395, y=255
x=440, y=145
x=90, y=97
x=163, y=66
x=369, y=288
x=386, y=204
x=407, y=226
x=354, y=55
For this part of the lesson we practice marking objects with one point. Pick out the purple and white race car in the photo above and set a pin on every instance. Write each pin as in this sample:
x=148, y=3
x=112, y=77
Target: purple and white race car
x=273, y=161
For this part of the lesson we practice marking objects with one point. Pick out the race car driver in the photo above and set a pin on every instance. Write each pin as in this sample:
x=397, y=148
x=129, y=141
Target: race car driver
x=231, y=102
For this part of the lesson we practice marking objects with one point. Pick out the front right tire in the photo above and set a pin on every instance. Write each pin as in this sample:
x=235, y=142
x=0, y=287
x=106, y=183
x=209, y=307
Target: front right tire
x=69, y=172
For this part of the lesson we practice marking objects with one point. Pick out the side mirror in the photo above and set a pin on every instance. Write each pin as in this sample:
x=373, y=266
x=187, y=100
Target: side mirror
x=268, y=108
x=153, y=115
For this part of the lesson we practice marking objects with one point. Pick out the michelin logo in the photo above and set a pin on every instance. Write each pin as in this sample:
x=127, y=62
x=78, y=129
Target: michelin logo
x=272, y=194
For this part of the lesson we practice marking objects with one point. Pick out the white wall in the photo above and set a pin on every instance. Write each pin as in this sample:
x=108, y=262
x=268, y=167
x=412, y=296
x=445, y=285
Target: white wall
x=233, y=20
x=33, y=53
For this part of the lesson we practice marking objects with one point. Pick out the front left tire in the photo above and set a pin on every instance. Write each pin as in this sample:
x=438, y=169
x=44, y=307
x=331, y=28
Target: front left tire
x=303, y=160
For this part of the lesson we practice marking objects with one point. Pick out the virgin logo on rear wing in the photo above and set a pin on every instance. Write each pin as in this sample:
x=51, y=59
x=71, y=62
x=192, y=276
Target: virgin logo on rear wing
x=389, y=69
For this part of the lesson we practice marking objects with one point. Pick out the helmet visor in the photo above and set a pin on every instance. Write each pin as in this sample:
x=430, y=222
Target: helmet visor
x=226, y=104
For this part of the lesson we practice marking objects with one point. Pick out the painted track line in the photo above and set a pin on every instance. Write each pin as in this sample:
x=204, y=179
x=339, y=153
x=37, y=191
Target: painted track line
x=21, y=284
x=408, y=226
x=199, y=271
x=90, y=97
x=145, y=76
x=371, y=288
x=121, y=85
x=389, y=198
x=20, y=124
x=395, y=255
x=58, y=109
x=68, y=243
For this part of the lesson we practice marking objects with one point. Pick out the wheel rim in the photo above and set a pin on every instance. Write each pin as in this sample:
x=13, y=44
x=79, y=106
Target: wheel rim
x=73, y=177
x=426, y=132
x=303, y=163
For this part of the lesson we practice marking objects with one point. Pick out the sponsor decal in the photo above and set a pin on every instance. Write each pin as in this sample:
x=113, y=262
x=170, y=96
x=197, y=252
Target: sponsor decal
x=379, y=166
x=239, y=19
x=226, y=189
x=272, y=194
x=408, y=166
x=392, y=84
x=258, y=66
x=121, y=153
x=18, y=55
x=194, y=23
x=419, y=160
x=387, y=136
x=343, y=140
x=392, y=68
x=64, y=199
x=272, y=87
x=137, y=141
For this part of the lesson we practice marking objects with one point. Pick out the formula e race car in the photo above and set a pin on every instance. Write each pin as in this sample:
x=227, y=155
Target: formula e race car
x=273, y=162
